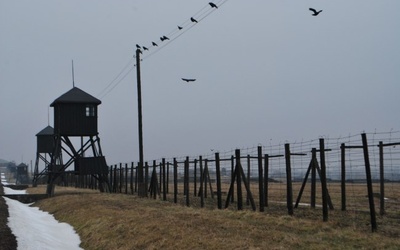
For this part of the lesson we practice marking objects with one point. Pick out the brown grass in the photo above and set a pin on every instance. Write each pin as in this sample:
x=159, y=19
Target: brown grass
x=118, y=221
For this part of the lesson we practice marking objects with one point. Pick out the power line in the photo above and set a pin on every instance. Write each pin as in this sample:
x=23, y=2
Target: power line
x=103, y=92
x=164, y=41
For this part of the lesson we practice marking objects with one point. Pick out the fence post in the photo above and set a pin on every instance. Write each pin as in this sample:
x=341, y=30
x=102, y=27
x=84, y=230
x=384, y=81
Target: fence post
x=232, y=177
x=382, y=180
x=260, y=179
x=369, y=183
x=289, y=189
x=126, y=178
x=323, y=180
x=121, y=178
x=187, y=181
x=239, y=180
x=201, y=191
x=248, y=179
x=111, y=177
x=266, y=176
x=343, y=178
x=168, y=163
x=164, y=180
x=175, y=181
x=195, y=175
x=313, y=176
x=146, y=178
x=115, y=179
x=131, y=181
x=218, y=172
x=161, y=176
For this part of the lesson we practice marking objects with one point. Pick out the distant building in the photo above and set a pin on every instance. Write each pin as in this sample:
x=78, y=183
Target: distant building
x=22, y=174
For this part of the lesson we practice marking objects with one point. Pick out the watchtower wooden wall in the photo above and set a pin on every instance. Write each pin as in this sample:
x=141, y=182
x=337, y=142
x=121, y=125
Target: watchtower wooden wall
x=75, y=113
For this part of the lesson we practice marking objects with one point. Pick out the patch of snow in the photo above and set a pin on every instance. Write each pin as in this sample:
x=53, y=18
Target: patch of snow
x=36, y=229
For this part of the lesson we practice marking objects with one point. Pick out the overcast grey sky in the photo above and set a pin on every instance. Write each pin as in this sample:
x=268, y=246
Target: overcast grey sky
x=265, y=70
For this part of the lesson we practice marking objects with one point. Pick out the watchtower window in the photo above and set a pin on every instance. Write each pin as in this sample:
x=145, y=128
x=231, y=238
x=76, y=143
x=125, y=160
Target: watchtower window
x=90, y=111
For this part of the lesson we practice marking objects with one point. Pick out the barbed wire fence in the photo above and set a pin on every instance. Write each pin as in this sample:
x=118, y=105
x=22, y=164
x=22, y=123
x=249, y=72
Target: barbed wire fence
x=328, y=174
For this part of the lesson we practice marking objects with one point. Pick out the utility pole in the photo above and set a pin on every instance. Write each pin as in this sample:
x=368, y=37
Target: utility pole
x=141, y=184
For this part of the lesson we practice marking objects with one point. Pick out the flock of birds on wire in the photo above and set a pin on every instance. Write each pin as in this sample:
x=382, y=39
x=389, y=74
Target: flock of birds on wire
x=173, y=35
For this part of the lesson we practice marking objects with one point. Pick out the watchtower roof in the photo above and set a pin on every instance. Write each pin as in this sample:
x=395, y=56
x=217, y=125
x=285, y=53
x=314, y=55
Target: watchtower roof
x=49, y=130
x=76, y=95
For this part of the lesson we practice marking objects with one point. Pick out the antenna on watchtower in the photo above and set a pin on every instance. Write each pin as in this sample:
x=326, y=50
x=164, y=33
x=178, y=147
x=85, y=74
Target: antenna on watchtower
x=48, y=116
x=73, y=78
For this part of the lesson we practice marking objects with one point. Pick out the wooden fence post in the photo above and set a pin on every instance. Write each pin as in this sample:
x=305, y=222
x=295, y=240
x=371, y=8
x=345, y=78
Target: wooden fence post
x=168, y=163
x=175, y=181
x=313, y=177
x=323, y=180
x=369, y=183
x=238, y=180
x=121, y=178
x=232, y=177
x=201, y=191
x=260, y=179
x=146, y=178
x=289, y=189
x=131, y=181
x=218, y=172
x=266, y=176
x=195, y=175
x=126, y=178
x=164, y=180
x=343, y=175
x=187, y=181
x=136, y=177
x=382, y=180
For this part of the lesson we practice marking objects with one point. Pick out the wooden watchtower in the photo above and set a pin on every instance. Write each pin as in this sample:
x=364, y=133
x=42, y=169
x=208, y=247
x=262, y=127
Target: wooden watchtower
x=44, y=152
x=75, y=117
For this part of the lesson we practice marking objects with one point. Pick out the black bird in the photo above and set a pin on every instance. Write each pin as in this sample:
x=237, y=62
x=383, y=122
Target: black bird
x=193, y=20
x=188, y=80
x=213, y=5
x=137, y=46
x=164, y=38
x=154, y=44
x=145, y=48
x=179, y=27
x=315, y=12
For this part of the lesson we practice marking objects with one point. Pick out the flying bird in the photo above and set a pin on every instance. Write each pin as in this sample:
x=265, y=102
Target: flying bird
x=193, y=20
x=213, y=5
x=315, y=12
x=154, y=44
x=145, y=48
x=188, y=80
x=179, y=27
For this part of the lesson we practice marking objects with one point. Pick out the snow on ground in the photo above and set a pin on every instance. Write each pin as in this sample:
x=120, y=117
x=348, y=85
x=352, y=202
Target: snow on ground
x=36, y=229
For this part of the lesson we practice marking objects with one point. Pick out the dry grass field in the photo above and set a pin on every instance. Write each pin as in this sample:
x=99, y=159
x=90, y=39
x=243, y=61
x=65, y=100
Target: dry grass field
x=119, y=221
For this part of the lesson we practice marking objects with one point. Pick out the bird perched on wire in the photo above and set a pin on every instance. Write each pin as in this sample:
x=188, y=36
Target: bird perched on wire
x=193, y=20
x=145, y=48
x=188, y=80
x=154, y=44
x=163, y=38
x=213, y=5
x=179, y=27
x=315, y=12
x=138, y=46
